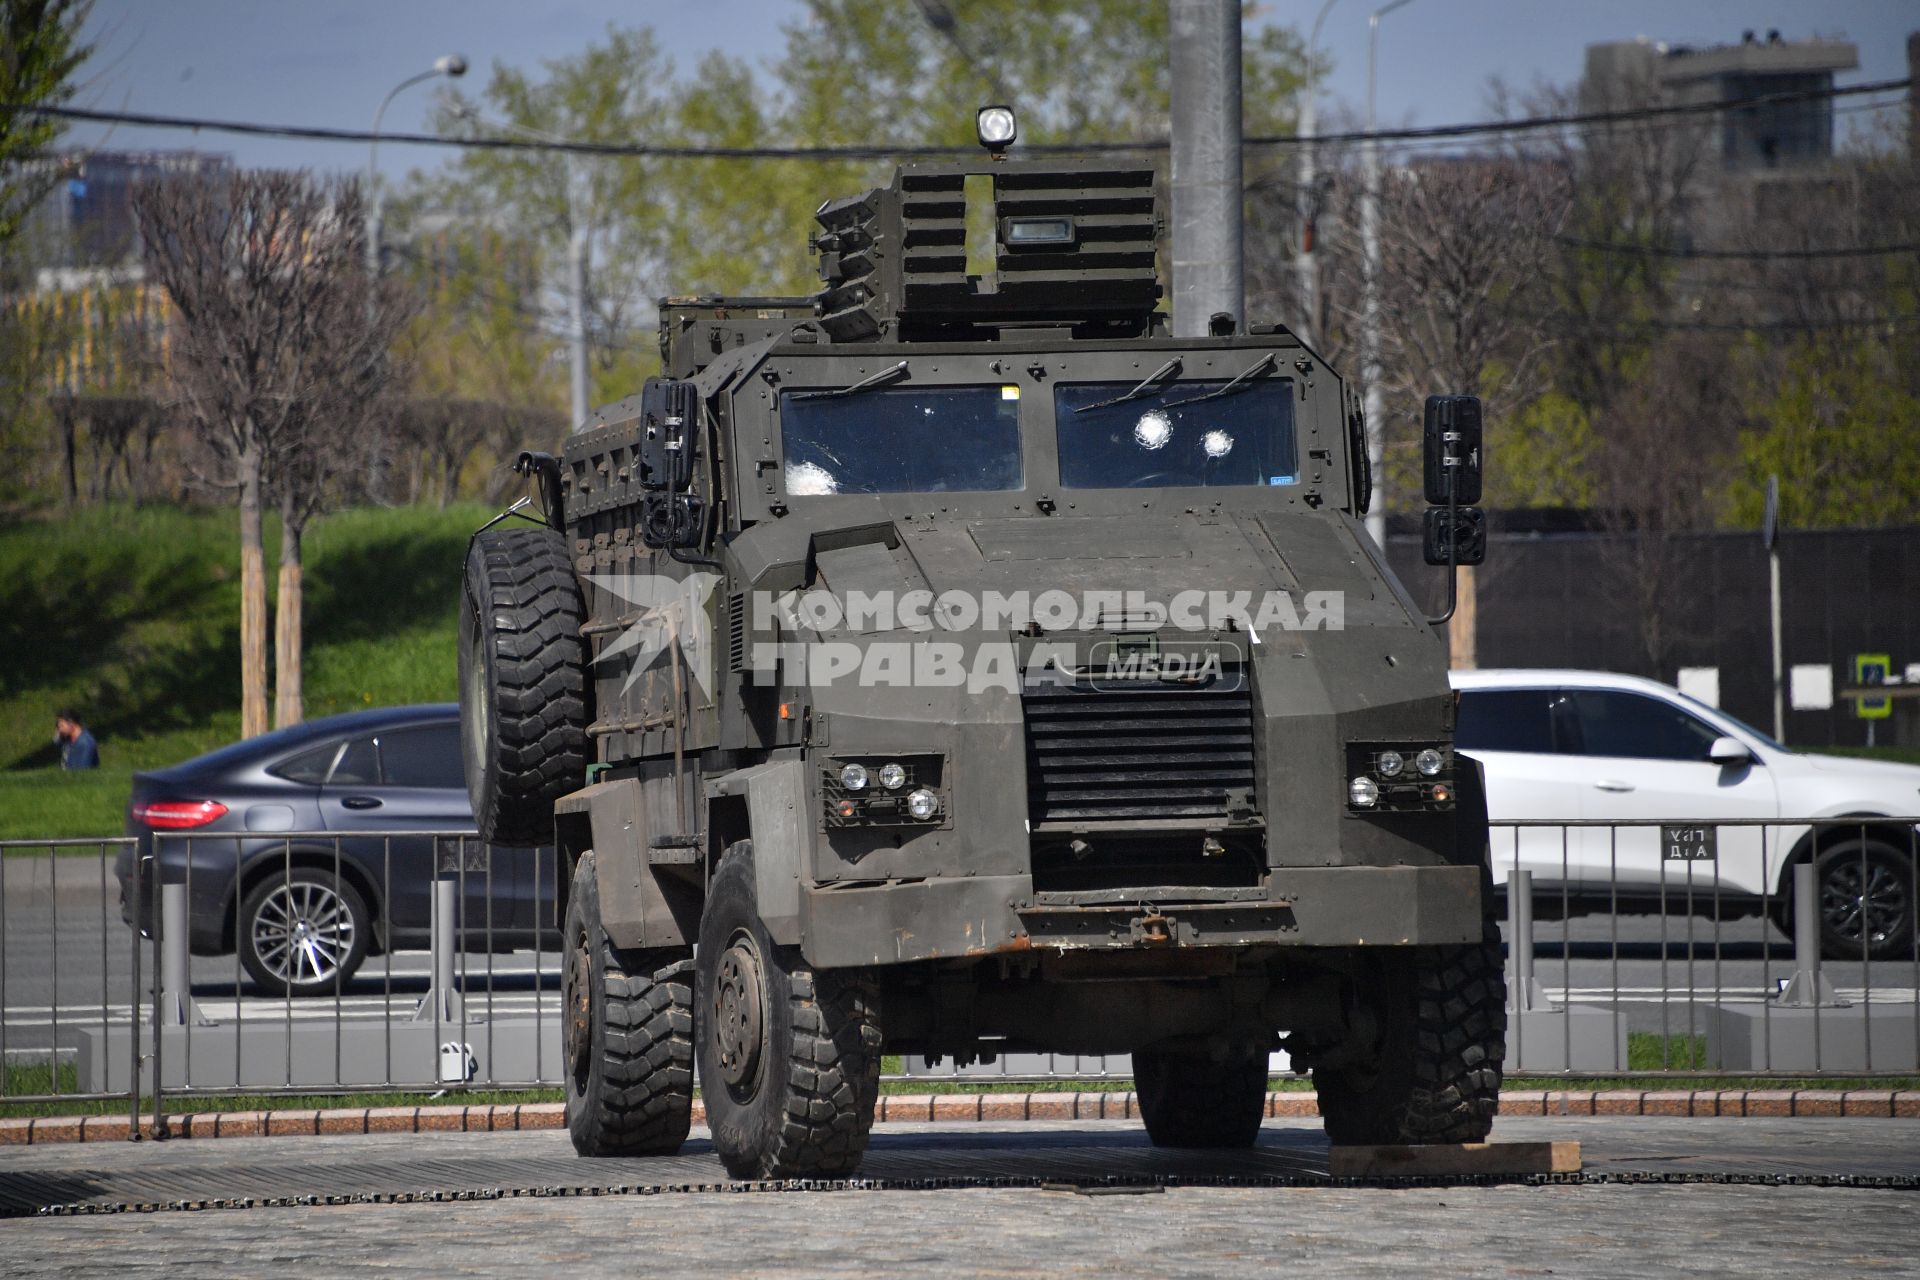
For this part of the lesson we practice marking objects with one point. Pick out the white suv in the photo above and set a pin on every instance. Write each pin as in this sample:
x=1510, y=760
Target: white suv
x=1564, y=745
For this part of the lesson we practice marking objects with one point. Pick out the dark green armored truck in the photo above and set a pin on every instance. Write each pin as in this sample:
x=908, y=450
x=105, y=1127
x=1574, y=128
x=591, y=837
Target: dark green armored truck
x=954, y=663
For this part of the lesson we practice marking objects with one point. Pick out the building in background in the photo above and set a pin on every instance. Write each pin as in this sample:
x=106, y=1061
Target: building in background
x=1792, y=134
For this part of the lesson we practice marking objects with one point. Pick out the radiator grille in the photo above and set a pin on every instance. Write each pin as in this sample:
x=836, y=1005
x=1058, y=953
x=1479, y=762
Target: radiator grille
x=1126, y=751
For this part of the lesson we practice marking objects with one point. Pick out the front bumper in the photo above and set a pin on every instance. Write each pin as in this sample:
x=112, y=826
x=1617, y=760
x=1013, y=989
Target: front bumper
x=987, y=915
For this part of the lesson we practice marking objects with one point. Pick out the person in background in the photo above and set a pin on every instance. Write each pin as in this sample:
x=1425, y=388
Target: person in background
x=78, y=750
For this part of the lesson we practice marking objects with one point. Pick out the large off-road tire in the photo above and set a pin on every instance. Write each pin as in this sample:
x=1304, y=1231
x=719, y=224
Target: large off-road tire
x=628, y=1036
x=523, y=682
x=1433, y=1075
x=1190, y=1100
x=789, y=1055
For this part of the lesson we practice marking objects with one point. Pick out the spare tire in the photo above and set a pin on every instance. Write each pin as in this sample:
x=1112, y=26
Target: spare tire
x=523, y=682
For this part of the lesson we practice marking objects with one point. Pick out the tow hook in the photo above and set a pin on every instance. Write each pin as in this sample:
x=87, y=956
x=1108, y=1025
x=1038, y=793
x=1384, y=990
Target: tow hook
x=1155, y=930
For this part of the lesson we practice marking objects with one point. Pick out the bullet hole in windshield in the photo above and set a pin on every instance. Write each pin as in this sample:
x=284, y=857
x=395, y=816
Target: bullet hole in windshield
x=810, y=480
x=1218, y=444
x=1153, y=430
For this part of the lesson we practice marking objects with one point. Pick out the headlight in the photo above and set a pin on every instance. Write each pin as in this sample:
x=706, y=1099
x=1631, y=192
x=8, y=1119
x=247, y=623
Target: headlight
x=853, y=777
x=922, y=804
x=1429, y=762
x=996, y=127
x=1363, y=792
x=892, y=776
x=1390, y=764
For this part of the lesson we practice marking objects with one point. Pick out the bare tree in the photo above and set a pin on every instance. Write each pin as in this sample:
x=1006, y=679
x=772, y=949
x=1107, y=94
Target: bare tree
x=279, y=350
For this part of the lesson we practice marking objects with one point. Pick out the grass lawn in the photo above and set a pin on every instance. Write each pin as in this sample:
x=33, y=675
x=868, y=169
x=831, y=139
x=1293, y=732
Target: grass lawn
x=132, y=618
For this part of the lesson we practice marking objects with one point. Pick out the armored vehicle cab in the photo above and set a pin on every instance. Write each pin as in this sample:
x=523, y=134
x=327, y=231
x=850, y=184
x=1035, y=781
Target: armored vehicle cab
x=955, y=663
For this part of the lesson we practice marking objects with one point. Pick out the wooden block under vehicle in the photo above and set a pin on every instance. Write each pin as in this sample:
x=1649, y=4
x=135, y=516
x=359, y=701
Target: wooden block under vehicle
x=1472, y=1158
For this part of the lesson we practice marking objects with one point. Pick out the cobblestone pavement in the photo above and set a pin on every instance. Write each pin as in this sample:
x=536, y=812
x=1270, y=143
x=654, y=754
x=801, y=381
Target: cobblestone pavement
x=1690, y=1231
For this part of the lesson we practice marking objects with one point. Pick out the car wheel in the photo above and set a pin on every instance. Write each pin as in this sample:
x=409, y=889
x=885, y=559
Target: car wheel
x=1866, y=901
x=304, y=932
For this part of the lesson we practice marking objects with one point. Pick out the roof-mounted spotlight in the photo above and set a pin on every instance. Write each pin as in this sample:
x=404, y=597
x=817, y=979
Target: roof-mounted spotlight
x=997, y=128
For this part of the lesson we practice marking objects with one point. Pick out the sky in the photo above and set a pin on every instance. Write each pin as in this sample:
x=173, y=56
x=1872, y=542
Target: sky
x=330, y=62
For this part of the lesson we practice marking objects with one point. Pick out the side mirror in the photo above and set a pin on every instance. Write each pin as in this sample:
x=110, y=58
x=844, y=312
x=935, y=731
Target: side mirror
x=1457, y=537
x=1729, y=751
x=1451, y=448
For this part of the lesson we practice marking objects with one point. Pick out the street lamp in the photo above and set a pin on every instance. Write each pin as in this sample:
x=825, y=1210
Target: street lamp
x=453, y=66
x=1372, y=406
x=1304, y=197
x=577, y=253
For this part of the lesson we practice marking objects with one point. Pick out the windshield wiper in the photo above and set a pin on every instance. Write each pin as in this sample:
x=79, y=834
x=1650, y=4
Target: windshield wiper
x=892, y=373
x=1146, y=384
x=1264, y=362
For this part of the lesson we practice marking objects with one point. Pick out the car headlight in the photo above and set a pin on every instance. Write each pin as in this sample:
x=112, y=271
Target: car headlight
x=1390, y=763
x=1429, y=762
x=893, y=775
x=1364, y=792
x=853, y=777
x=922, y=804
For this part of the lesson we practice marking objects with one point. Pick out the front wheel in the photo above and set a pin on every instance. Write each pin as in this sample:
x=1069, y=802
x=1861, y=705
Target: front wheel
x=789, y=1055
x=627, y=1035
x=303, y=932
x=1434, y=1073
x=1866, y=901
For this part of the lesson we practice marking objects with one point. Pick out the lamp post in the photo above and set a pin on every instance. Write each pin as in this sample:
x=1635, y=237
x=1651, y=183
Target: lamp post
x=1304, y=198
x=453, y=66
x=577, y=247
x=1372, y=405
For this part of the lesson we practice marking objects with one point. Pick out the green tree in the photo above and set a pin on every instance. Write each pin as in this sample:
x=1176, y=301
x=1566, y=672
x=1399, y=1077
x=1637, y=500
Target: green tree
x=1843, y=435
x=40, y=50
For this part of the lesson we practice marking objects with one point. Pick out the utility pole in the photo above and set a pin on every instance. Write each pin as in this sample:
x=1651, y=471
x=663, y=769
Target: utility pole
x=1207, y=191
x=1305, y=199
x=1913, y=98
x=1770, y=535
x=579, y=250
x=1373, y=403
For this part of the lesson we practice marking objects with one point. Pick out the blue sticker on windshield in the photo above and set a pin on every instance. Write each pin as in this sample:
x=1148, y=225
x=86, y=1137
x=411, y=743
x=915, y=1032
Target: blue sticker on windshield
x=1283, y=480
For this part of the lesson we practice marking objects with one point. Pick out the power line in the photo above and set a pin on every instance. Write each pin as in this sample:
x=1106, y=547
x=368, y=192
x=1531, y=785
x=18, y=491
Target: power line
x=670, y=151
x=1737, y=255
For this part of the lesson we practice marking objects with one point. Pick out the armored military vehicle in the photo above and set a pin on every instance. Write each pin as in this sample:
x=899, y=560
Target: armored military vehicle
x=954, y=663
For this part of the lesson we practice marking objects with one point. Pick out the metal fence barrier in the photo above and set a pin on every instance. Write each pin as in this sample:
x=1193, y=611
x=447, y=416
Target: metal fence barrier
x=134, y=971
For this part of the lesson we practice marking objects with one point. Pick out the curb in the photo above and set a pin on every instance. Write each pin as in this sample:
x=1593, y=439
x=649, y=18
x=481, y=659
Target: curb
x=948, y=1108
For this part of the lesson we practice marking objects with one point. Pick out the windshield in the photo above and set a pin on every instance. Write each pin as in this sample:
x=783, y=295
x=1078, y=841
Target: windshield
x=1178, y=434
x=1736, y=722
x=901, y=440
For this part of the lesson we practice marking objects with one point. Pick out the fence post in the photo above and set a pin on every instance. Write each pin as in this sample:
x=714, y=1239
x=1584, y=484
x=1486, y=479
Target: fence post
x=1808, y=988
x=442, y=1004
x=177, y=1008
x=1524, y=994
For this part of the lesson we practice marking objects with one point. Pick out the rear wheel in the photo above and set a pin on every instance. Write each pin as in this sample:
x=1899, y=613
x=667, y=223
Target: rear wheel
x=789, y=1055
x=628, y=1036
x=523, y=687
x=1866, y=901
x=1434, y=1073
x=1190, y=1100
x=303, y=932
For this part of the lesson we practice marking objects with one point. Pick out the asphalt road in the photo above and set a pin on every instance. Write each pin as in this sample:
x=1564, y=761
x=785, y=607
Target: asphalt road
x=1655, y=1231
x=66, y=959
